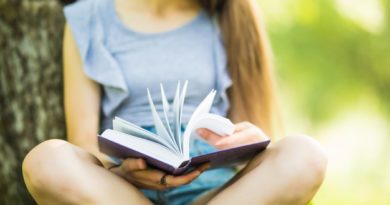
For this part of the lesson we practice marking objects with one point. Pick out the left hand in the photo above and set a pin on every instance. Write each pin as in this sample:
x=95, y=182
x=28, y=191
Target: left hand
x=136, y=172
x=244, y=133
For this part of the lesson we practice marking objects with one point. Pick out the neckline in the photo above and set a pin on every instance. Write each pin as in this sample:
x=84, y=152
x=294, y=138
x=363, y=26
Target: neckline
x=120, y=24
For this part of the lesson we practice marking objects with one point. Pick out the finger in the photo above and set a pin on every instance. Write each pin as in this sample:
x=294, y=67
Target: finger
x=210, y=136
x=149, y=175
x=149, y=178
x=246, y=136
x=204, y=167
x=174, y=181
x=242, y=125
x=141, y=178
x=145, y=184
x=132, y=164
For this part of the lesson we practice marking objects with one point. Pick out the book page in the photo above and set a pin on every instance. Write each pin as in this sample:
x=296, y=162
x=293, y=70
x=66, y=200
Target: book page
x=149, y=148
x=218, y=124
x=203, y=108
x=124, y=126
x=129, y=128
x=159, y=125
x=166, y=110
x=175, y=109
x=177, y=113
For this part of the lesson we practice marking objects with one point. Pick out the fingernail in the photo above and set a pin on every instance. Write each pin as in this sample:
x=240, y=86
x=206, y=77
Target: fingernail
x=141, y=164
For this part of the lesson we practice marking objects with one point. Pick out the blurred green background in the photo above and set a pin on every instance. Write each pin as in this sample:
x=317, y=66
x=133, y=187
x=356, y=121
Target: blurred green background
x=333, y=68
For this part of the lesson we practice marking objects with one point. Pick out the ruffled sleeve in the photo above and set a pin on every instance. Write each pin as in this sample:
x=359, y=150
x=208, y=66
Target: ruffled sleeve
x=98, y=63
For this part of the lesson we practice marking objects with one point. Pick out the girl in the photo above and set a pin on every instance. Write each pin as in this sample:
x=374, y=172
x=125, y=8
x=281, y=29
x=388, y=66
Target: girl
x=113, y=51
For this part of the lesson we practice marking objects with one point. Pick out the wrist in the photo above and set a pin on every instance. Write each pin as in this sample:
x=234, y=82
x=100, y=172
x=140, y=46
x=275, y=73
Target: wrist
x=109, y=162
x=110, y=167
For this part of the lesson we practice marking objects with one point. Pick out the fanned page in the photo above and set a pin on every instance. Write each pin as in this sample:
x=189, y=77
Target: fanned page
x=168, y=149
x=201, y=118
x=176, y=115
x=159, y=125
x=171, y=136
x=166, y=110
x=146, y=147
x=133, y=130
x=179, y=114
x=163, y=127
x=203, y=108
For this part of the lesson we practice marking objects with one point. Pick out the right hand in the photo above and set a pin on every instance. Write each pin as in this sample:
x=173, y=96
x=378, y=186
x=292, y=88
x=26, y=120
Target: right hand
x=138, y=174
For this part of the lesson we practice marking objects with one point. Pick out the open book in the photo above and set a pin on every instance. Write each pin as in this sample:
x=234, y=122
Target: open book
x=169, y=148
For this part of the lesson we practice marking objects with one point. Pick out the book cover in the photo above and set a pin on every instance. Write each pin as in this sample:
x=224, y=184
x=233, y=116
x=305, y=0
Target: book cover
x=220, y=158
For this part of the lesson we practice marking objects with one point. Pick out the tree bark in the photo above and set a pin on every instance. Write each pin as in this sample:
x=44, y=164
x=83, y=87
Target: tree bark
x=31, y=105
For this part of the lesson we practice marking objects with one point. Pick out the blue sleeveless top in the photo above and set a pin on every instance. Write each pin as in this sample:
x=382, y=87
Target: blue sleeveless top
x=126, y=62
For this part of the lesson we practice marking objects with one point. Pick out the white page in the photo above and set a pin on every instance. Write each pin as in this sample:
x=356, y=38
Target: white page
x=218, y=124
x=147, y=147
x=166, y=110
x=203, y=108
x=175, y=109
x=160, y=128
x=180, y=110
x=126, y=127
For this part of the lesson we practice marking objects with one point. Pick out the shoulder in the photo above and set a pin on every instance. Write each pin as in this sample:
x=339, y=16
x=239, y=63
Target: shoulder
x=78, y=15
x=85, y=5
x=79, y=8
x=83, y=18
x=84, y=11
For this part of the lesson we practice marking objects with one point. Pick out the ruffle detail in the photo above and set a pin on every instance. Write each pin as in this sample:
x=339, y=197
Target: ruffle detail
x=98, y=63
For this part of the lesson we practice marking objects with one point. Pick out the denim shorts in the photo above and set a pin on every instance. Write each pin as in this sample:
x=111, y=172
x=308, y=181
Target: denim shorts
x=186, y=194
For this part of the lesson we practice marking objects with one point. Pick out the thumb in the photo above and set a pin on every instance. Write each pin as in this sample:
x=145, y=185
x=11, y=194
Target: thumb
x=208, y=135
x=132, y=164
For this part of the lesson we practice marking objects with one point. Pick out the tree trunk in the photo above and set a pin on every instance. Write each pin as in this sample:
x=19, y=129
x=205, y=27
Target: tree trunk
x=31, y=108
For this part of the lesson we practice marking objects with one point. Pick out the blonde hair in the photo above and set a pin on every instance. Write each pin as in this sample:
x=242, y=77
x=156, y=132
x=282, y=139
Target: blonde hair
x=249, y=60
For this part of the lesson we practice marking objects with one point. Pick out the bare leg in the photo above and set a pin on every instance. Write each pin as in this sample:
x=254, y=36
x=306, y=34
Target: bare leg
x=288, y=172
x=57, y=172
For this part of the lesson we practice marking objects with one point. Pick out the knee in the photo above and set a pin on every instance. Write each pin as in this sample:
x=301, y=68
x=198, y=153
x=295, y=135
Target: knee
x=304, y=159
x=40, y=170
x=40, y=156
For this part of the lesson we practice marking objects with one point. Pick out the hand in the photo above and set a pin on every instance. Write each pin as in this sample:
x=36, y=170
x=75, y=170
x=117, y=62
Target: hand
x=244, y=133
x=138, y=174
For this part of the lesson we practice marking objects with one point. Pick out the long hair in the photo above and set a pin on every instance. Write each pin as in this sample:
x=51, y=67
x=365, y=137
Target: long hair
x=249, y=60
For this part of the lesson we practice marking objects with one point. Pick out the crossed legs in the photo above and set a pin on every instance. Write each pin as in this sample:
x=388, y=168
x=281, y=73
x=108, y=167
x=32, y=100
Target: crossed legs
x=288, y=172
x=57, y=172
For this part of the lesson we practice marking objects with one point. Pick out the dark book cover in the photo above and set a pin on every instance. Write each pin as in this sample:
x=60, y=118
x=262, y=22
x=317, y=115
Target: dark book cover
x=221, y=158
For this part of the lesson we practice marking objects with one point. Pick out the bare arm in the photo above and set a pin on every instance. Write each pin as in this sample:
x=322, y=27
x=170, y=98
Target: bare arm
x=82, y=101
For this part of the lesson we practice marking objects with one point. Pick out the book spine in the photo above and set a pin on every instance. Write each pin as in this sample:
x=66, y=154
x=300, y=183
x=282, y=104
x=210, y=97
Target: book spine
x=182, y=168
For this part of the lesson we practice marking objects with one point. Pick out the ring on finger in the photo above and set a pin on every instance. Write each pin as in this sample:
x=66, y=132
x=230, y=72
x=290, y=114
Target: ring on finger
x=163, y=180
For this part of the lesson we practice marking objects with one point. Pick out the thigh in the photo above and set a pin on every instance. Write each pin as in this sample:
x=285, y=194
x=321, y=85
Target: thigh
x=207, y=196
x=290, y=170
x=57, y=172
